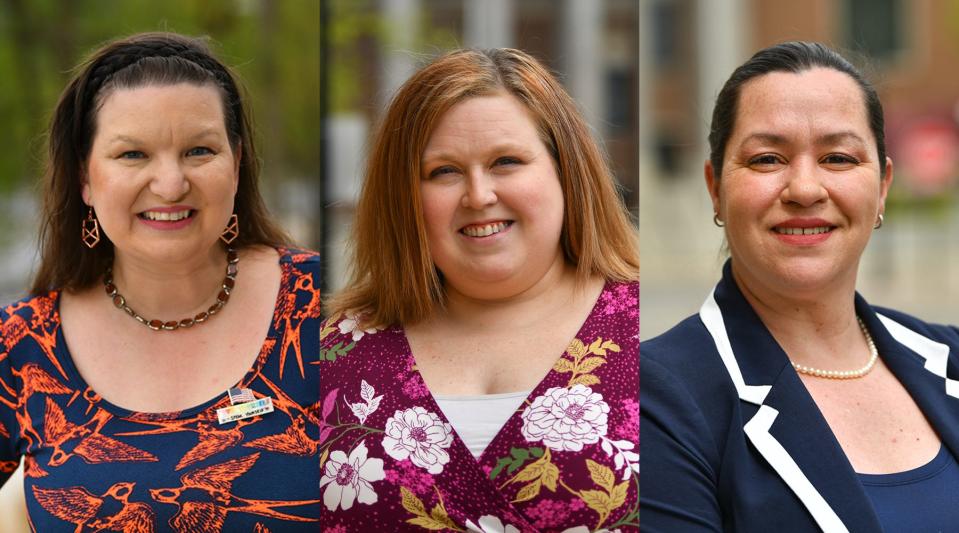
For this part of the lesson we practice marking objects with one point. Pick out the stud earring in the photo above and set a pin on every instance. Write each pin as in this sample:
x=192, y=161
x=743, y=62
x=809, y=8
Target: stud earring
x=232, y=230
x=90, y=230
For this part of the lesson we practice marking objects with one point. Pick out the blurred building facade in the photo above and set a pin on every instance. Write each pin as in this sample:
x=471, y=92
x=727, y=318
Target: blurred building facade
x=908, y=49
x=592, y=45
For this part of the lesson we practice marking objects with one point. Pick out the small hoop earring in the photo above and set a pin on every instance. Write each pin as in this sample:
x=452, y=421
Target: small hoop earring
x=717, y=221
x=232, y=230
x=879, y=220
x=90, y=230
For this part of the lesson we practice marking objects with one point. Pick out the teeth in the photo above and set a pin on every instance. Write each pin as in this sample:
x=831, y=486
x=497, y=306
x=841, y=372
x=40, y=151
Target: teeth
x=166, y=216
x=485, y=231
x=803, y=231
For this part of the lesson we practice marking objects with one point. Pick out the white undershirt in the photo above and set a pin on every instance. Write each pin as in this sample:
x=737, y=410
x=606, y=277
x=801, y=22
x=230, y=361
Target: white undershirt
x=477, y=419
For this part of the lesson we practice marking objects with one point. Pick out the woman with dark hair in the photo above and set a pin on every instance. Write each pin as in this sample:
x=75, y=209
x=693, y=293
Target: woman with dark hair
x=479, y=371
x=156, y=377
x=789, y=403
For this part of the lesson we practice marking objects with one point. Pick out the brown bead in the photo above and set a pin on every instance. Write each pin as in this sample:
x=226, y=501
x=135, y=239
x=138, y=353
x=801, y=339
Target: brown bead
x=111, y=289
x=155, y=324
x=223, y=296
x=201, y=317
x=229, y=283
x=186, y=322
x=173, y=324
x=118, y=300
x=232, y=256
x=213, y=309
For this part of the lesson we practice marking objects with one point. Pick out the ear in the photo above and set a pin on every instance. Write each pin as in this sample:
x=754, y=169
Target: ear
x=712, y=185
x=85, y=190
x=237, y=157
x=884, y=186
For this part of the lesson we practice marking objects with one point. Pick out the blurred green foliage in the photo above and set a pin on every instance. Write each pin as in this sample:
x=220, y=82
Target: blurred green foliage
x=273, y=45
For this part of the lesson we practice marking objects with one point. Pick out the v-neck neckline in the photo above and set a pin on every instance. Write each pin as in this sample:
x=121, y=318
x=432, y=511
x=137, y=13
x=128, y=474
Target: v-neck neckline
x=538, y=389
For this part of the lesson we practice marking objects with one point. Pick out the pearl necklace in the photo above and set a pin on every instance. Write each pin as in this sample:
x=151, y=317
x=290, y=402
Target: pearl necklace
x=844, y=374
x=229, y=281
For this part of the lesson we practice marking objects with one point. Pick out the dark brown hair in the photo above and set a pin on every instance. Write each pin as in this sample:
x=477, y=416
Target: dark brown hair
x=136, y=61
x=394, y=279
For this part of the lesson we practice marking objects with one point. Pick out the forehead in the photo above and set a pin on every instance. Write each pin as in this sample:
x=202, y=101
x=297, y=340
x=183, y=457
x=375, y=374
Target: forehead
x=482, y=120
x=793, y=104
x=152, y=107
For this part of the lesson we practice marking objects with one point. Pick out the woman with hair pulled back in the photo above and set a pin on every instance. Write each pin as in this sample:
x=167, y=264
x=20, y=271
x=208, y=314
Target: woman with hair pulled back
x=157, y=376
x=479, y=371
x=789, y=403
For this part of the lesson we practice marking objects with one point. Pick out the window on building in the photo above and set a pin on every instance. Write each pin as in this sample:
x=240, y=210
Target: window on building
x=875, y=28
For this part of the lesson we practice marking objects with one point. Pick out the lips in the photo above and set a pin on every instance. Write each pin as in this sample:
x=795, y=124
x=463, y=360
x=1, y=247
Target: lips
x=803, y=231
x=166, y=216
x=485, y=229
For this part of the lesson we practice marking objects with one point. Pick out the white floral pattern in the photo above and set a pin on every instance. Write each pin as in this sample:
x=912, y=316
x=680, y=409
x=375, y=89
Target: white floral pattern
x=566, y=419
x=350, y=479
x=351, y=325
x=420, y=436
x=370, y=403
x=490, y=524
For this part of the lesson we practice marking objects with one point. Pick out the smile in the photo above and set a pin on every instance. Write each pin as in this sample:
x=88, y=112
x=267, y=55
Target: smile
x=485, y=230
x=803, y=231
x=166, y=216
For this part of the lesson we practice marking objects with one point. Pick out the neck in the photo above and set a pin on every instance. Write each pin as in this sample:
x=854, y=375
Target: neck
x=554, y=291
x=170, y=291
x=816, y=329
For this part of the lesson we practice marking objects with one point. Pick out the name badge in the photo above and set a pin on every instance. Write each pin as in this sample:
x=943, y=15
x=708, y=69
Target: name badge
x=245, y=410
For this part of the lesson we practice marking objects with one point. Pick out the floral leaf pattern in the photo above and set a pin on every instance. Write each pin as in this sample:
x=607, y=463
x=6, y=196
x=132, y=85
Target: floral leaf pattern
x=564, y=461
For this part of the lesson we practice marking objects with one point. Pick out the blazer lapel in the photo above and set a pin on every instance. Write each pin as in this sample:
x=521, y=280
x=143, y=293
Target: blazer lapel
x=922, y=365
x=781, y=420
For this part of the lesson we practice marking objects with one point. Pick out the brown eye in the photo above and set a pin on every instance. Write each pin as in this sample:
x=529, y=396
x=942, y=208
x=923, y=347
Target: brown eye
x=508, y=161
x=439, y=171
x=765, y=162
x=839, y=161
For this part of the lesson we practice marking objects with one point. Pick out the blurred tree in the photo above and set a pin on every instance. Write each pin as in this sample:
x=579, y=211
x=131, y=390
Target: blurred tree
x=274, y=46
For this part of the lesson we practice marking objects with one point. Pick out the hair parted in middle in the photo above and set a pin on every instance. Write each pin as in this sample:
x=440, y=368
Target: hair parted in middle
x=393, y=278
x=156, y=58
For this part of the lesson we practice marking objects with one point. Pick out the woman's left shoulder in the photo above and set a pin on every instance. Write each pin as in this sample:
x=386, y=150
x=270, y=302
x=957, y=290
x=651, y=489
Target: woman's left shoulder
x=298, y=256
x=893, y=320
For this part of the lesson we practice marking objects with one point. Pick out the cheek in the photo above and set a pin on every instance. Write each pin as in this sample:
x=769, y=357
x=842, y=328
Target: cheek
x=438, y=208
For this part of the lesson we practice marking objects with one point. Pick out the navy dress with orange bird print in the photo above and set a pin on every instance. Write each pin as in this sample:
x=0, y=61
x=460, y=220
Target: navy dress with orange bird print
x=90, y=465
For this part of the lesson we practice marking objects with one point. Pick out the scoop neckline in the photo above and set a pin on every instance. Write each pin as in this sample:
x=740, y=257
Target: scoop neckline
x=914, y=475
x=61, y=349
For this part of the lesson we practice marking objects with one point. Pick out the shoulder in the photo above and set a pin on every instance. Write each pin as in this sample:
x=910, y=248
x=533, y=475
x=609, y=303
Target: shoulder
x=32, y=311
x=299, y=257
x=683, y=377
x=937, y=332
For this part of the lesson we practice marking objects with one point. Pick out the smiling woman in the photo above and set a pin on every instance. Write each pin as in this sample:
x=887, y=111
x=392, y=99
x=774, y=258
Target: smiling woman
x=151, y=382
x=482, y=364
x=788, y=391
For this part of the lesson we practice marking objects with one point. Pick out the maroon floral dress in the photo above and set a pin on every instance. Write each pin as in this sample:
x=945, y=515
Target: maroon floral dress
x=566, y=461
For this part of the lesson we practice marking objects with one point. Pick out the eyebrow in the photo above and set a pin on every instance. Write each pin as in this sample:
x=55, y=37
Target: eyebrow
x=506, y=147
x=133, y=140
x=829, y=138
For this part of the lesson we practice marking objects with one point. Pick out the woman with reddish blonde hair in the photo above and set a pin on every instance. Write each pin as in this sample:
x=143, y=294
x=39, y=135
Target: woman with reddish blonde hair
x=479, y=372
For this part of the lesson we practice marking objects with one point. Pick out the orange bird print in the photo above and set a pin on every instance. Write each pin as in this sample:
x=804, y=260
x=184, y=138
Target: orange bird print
x=293, y=441
x=93, y=447
x=15, y=329
x=78, y=506
x=293, y=321
x=212, y=440
x=217, y=482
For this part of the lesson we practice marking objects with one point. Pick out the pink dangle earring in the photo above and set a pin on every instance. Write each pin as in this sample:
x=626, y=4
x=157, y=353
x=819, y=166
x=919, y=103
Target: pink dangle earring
x=90, y=230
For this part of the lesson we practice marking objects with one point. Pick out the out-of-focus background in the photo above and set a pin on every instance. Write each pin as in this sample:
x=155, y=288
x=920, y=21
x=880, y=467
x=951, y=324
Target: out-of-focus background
x=375, y=45
x=908, y=48
x=275, y=48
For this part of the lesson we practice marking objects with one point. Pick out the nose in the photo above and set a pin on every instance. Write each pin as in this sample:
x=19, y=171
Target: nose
x=480, y=190
x=804, y=187
x=169, y=180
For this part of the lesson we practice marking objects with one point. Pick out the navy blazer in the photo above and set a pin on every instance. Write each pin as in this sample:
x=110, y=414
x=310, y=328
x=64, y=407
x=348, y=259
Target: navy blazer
x=732, y=440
